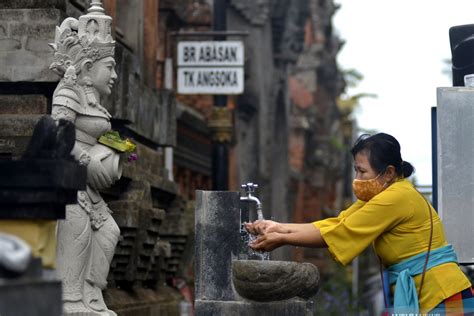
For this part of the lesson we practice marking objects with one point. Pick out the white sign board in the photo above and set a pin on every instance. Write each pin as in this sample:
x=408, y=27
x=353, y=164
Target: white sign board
x=211, y=53
x=207, y=80
x=211, y=67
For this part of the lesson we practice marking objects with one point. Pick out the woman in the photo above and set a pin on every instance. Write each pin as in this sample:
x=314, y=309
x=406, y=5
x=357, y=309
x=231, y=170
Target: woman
x=396, y=219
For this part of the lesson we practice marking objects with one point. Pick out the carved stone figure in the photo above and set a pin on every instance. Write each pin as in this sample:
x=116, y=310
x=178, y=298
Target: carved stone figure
x=84, y=58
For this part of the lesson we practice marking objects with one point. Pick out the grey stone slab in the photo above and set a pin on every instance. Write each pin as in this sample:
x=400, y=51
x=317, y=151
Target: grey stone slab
x=12, y=15
x=9, y=44
x=455, y=117
x=18, y=124
x=217, y=237
x=32, y=4
x=33, y=297
x=39, y=188
x=23, y=104
x=42, y=174
x=292, y=307
x=25, y=34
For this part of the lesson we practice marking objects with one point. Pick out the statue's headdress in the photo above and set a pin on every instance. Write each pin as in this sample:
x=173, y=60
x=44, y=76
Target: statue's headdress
x=87, y=38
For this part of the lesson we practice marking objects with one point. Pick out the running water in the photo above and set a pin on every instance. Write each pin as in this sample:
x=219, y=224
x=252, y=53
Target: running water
x=247, y=238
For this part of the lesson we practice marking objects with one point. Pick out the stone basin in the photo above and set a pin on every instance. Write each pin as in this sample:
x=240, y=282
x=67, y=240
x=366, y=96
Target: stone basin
x=266, y=281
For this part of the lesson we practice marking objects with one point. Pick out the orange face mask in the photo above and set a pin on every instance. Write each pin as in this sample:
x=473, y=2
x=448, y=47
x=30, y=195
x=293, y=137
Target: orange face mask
x=364, y=190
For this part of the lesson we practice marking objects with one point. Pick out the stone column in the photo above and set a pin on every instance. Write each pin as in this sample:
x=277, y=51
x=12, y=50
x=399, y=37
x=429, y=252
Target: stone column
x=217, y=243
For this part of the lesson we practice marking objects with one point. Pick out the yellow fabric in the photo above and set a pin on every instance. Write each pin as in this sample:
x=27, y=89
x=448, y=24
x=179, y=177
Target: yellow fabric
x=39, y=234
x=397, y=223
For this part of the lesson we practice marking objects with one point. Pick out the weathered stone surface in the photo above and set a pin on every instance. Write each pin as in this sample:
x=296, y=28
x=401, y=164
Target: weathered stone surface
x=23, y=104
x=32, y=4
x=8, y=44
x=18, y=125
x=33, y=297
x=217, y=242
x=291, y=307
x=15, y=132
x=39, y=188
x=24, y=35
x=155, y=237
x=142, y=301
x=274, y=280
x=256, y=12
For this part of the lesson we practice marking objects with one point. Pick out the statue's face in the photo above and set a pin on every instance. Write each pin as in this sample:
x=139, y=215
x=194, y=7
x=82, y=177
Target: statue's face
x=103, y=75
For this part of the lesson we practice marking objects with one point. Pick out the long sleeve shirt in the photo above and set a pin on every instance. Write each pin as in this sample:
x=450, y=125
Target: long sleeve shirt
x=397, y=223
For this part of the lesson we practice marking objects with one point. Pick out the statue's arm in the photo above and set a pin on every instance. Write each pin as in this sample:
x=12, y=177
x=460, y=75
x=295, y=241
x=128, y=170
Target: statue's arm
x=62, y=112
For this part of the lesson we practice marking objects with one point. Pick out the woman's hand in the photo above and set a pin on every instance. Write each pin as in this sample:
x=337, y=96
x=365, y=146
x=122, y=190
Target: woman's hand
x=261, y=227
x=268, y=241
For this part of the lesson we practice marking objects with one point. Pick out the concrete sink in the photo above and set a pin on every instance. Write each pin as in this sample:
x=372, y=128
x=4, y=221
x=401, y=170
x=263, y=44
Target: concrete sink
x=266, y=281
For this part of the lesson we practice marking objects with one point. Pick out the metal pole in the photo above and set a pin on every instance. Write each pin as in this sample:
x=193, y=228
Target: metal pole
x=434, y=157
x=220, y=147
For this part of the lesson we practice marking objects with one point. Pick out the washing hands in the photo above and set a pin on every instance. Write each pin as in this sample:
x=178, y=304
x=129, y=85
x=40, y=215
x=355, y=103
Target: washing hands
x=269, y=234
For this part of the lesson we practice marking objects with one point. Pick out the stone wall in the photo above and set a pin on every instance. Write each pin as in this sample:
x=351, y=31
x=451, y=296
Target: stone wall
x=26, y=83
x=154, y=253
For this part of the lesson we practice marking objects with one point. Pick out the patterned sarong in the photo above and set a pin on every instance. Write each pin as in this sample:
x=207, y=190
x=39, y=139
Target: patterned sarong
x=461, y=303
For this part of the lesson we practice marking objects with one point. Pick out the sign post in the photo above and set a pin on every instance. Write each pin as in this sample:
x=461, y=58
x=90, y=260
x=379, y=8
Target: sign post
x=214, y=67
x=210, y=67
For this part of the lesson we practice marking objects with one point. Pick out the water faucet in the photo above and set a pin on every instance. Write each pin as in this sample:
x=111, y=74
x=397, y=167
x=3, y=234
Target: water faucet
x=249, y=189
x=247, y=252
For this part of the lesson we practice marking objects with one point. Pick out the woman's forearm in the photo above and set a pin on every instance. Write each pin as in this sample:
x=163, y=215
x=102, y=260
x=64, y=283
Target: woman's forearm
x=295, y=228
x=304, y=235
x=269, y=238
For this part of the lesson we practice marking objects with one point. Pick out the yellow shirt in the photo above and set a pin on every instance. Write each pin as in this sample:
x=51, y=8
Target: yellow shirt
x=397, y=223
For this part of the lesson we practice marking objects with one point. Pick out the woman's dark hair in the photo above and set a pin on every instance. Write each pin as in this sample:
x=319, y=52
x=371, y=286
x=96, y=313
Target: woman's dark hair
x=382, y=150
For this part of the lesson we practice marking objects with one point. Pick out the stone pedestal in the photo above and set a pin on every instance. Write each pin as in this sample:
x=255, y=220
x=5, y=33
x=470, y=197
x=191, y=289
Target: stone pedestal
x=218, y=246
x=237, y=308
x=30, y=294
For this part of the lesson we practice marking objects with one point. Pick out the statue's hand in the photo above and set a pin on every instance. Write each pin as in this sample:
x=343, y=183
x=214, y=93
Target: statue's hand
x=97, y=176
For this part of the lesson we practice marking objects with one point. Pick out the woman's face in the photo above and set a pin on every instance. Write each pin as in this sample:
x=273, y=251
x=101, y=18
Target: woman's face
x=362, y=167
x=103, y=75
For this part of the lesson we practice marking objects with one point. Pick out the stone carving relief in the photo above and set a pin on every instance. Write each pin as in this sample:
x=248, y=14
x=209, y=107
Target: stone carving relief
x=84, y=58
x=255, y=11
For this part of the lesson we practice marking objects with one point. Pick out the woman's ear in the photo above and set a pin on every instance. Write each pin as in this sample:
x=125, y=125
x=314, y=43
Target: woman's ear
x=390, y=173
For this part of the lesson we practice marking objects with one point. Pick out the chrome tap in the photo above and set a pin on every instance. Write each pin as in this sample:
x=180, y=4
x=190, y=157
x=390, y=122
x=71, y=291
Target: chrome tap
x=249, y=189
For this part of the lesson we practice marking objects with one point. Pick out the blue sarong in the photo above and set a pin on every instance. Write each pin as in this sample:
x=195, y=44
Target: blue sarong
x=402, y=273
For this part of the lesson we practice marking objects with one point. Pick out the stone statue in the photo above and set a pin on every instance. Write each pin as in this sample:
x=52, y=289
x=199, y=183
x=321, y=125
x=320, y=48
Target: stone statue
x=84, y=58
